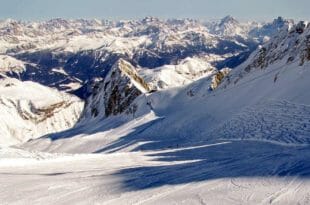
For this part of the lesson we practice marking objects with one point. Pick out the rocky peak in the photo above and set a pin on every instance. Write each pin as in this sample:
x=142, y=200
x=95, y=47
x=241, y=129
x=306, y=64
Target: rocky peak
x=291, y=45
x=280, y=21
x=268, y=30
x=116, y=92
x=228, y=20
x=229, y=26
x=300, y=27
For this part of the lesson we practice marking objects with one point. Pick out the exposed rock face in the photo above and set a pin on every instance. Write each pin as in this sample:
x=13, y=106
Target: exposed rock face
x=116, y=92
x=260, y=61
x=291, y=44
x=29, y=110
x=218, y=77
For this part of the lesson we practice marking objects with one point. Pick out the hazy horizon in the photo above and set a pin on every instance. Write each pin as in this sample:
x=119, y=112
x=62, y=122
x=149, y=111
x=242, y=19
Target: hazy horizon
x=38, y=10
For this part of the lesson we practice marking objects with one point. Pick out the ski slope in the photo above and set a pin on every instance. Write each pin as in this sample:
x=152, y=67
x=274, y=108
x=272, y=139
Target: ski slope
x=227, y=150
x=254, y=108
x=227, y=172
x=247, y=142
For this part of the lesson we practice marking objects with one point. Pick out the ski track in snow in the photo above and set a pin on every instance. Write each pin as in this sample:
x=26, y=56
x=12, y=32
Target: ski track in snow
x=275, y=121
x=242, y=168
x=188, y=145
x=255, y=173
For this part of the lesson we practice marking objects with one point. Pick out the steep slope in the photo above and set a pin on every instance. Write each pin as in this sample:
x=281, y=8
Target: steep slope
x=29, y=110
x=193, y=114
x=290, y=46
x=242, y=107
x=116, y=92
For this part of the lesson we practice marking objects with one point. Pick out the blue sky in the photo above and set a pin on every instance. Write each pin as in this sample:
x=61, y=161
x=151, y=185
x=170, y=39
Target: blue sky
x=132, y=9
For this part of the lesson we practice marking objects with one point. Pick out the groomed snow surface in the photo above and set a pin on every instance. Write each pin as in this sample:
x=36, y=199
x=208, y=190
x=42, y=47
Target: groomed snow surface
x=245, y=143
x=240, y=172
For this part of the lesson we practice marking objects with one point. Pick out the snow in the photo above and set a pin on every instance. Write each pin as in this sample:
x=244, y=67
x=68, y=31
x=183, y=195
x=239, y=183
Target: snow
x=209, y=115
x=227, y=150
x=187, y=71
x=228, y=26
x=29, y=110
x=60, y=70
x=246, y=142
x=10, y=64
x=219, y=173
x=78, y=43
x=127, y=45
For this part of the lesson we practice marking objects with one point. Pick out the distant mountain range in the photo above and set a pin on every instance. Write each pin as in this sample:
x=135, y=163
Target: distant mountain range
x=73, y=52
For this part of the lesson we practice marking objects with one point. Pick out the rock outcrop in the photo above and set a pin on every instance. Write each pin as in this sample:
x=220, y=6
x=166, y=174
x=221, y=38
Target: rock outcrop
x=116, y=92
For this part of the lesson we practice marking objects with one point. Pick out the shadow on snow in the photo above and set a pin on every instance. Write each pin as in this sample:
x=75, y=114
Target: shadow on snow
x=203, y=160
x=228, y=160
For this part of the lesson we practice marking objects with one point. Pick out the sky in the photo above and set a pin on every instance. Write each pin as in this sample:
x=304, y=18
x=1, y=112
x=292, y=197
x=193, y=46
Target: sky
x=136, y=9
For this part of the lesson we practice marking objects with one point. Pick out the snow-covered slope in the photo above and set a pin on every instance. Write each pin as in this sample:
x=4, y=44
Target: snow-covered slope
x=244, y=143
x=289, y=47
x=9, y=64
x=245, y=110
x=238, y=136
x=195, y=112
x=29, y=110
x=185, y=72
x=220, y=173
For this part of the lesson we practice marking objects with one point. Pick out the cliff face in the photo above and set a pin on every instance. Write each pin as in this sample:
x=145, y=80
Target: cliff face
x=116, y=92
x=218, y=77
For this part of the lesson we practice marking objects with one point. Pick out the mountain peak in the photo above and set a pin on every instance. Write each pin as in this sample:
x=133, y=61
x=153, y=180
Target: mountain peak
x=228, y=20
x=129, y=70
x=116, y=92
x=280, y=21
x=150, y=19
x=228, y=26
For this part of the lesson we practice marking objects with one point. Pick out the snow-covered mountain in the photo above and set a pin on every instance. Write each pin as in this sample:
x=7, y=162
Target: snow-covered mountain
x=224, y=105
x=116, y=92
x=74, y=52
x=11, y=65
x=289, y=46
x=111, y=64
x=266, y=30
x=29, y=110
x=229, y=26
x=186, y=71
x=175, y=112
